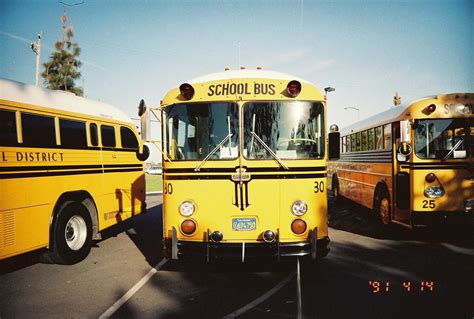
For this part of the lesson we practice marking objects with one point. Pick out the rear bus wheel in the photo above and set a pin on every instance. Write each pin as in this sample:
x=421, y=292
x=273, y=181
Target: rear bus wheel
x=72, y=235
x=382, y=207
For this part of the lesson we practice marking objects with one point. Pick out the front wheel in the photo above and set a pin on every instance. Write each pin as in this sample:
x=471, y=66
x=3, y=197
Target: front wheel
x=72, y=235
x=382, y=207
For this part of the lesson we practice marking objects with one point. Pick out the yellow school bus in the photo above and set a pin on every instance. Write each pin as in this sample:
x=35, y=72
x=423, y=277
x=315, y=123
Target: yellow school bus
x=69, y=168
x=244, y=159
x=412, y=164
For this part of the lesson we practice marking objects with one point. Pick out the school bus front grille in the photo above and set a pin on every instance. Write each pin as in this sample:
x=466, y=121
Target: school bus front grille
x=7, y=229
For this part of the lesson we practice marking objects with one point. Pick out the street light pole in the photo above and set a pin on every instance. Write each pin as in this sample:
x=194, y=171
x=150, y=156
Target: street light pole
x=36, y=47
x=354, y=108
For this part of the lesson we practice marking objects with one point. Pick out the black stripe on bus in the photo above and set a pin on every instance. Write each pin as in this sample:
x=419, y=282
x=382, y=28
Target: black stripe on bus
x=251, y=169
x=64, y=167
x=49, y=174
x=227, y=177
x=437, y=167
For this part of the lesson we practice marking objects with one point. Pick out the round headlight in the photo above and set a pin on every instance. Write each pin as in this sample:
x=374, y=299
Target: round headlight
x=299, y=208
x=434, y=191
x=186, y=208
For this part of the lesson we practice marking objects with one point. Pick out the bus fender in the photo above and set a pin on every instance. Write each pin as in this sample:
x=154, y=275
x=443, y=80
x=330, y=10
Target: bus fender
x=85, y=199
x=381, y=184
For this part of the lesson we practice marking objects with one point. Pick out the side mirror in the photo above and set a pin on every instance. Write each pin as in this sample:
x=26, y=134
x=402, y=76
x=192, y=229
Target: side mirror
x=334, y=145
x=145, y=154
x=405, y=131
x=144, y=114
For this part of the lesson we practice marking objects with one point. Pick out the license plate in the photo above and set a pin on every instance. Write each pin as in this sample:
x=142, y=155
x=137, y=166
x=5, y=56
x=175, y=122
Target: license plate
x=240, y=224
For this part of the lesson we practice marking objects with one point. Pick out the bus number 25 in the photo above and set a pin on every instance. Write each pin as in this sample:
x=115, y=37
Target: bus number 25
x=168, y=188
x=429, y=204
x=318, y=187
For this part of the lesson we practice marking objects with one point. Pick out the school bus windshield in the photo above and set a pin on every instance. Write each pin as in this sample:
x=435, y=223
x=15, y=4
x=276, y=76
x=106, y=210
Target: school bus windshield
x=291, y=129
x=193, y=131
x=442, y=138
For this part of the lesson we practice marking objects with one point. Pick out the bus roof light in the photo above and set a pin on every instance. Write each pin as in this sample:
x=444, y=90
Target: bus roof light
x=431, y=108
x=186, y=90
x=293, y=88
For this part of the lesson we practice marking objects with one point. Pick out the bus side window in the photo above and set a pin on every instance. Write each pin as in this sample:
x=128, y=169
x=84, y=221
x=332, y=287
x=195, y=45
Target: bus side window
x=387, y=137
x=370, y=142
x=343, y=144
x=38, y=130
x=378, y=138
x=357, y=136
x=73, y=134
x=108, y=136
x=127, y=138
x=8, y=136
x=348, y=143
x=364, y=141
x=93, y=134
x=353, y=143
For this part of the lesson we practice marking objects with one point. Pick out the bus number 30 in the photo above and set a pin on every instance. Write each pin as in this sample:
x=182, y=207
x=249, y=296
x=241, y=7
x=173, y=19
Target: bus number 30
x=318, y=187
x=168, y=188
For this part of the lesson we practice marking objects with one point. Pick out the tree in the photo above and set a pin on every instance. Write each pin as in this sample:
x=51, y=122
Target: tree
x=61, y=70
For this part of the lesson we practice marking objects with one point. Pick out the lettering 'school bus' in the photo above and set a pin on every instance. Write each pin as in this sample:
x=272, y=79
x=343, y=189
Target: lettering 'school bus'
x=244, y=167
x=68, y=170
x=412, y=164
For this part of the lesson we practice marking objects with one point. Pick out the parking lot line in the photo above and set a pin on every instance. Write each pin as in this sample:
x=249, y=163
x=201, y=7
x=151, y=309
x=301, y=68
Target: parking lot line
x=260, y=299
x=133, y=290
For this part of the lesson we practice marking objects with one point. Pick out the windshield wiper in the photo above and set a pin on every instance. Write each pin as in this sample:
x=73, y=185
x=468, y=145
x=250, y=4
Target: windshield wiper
x=453, y=149
x=197, y=168
x=254, y=135
x=228, y=137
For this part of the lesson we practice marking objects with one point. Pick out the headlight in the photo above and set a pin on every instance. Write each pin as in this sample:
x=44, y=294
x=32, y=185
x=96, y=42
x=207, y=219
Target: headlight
x=186, y=208
x=434, y=191
x=299, y=208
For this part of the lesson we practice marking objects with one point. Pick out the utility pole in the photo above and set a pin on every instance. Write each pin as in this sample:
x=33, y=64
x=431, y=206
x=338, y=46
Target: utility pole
x=36, y=47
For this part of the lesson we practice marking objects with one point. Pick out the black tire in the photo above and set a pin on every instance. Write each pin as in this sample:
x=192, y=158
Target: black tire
x=72, y=234
x=382, y=207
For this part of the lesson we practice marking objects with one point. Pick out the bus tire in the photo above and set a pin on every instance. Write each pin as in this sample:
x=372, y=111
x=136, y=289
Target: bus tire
x=72, y=237
x=382, y=206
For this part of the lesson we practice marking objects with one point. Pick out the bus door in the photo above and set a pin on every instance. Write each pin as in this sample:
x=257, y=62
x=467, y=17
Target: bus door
x=401, y=172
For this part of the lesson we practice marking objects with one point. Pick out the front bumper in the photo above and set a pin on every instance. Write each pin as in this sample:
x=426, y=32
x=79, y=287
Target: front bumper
x=440, y=218
x=313, y=247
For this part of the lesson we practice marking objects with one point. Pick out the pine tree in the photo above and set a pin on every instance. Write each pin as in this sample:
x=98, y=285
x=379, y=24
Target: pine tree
x=61, y=70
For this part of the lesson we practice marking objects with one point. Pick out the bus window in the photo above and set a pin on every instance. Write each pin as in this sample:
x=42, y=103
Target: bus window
x=195, y=130
x=353, y=143
x=8, y=135
x=38, y=130
x=108, y=135
x=94, y=134
x=295, y=131
x=128, y=139
x=438, y=138
x=370, y=142
x=73, y=134
x=357, y=141
x=343, y=144
x=348, y=143
x=378, y=138
x=387, y=137
x=364, y=141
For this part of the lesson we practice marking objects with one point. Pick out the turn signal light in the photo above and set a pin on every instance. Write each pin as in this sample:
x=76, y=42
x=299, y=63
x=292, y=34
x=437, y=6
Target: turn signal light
x=293, y=88
x=186, y=90
x=188, y=226
x=298, y=226
x=430, y=178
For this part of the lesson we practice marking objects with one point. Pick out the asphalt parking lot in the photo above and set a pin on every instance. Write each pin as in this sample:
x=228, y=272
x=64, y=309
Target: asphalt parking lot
x=369, y=273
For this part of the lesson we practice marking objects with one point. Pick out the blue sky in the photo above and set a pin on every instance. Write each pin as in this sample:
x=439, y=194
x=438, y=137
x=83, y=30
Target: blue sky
x=367, y=50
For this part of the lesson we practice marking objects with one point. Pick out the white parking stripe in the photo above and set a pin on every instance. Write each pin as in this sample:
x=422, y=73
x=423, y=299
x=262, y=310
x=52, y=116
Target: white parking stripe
x=132, y=290
x=261, y=299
